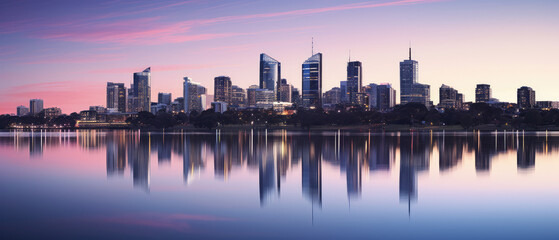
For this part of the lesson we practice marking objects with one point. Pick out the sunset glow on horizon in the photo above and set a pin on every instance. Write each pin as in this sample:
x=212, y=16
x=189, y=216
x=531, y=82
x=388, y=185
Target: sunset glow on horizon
x=65, y=52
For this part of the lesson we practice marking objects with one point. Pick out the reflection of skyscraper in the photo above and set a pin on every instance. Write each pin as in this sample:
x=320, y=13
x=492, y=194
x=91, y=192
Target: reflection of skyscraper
x=450, y=152
x=192, y=157
x=526, y=152
x=222, y=159
x=353, y=171
x=312, y=81
x=267, y=173
x=138, y=160
x=414, y=157
x=116, y=154
x=382, y=152
x=312, y=172
x=163, y=149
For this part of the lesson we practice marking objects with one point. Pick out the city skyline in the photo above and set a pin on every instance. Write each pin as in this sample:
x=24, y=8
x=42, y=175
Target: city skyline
x=487, y=47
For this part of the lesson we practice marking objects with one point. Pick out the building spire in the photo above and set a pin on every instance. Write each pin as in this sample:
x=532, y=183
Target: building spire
x=349, y=55
x=312, y=46
x=410, y=50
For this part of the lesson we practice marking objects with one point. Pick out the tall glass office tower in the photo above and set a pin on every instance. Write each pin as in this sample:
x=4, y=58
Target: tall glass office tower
x=354, y=80
x=142, y=90
x=410, y=89
x=312, y=81
x=270, y=74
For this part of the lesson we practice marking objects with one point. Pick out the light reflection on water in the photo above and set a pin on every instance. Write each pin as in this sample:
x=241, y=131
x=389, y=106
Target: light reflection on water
x=259, y=183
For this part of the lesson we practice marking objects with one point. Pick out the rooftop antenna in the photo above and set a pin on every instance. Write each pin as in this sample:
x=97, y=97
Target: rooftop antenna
x=410, y=50
x=312, y=46
x=349, y=55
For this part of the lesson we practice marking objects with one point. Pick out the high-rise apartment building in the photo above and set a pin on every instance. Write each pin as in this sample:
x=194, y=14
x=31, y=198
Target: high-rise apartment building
x=483, y=93
x=116, y=96
x=526, y=97
x=222, y=89
x=142, y=91
x=193, y=96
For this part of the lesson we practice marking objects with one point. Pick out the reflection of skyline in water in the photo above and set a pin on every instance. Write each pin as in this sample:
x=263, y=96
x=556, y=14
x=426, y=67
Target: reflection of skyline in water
x=273, y=154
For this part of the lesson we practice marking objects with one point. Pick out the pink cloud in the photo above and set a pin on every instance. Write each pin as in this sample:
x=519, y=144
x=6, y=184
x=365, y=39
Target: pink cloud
x=153, y=30
x=158, y=68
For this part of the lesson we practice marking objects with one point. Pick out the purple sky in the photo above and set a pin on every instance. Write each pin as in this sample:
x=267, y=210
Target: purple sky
x=66, y=51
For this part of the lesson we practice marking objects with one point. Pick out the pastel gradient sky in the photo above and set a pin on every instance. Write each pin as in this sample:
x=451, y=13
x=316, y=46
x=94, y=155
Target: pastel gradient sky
x=64, y=51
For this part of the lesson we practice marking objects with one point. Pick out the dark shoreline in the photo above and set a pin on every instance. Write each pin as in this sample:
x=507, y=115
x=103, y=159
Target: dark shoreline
x=359, y=128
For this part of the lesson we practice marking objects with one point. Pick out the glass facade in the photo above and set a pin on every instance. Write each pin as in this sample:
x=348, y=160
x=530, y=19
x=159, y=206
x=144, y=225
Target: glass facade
x=354, y=80
x=142, y=90
x=312, y=82
x=270, y=74
x=410, y=89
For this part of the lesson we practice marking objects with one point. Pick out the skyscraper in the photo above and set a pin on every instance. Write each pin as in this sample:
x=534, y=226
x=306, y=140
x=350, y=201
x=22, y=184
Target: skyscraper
x=164, y=98
x=192, y=93
x=312, y=81
x=36, y=106
x=222, y=89
x=116, y=96
x=270, y=74
x=483, y=93
x=411, y=90
x=354, y=80
x=142, y=90
x=386, y=97
x=526, y=97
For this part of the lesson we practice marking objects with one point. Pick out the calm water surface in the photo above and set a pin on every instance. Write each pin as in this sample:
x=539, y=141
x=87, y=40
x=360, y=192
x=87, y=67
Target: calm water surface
x=279, y=184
